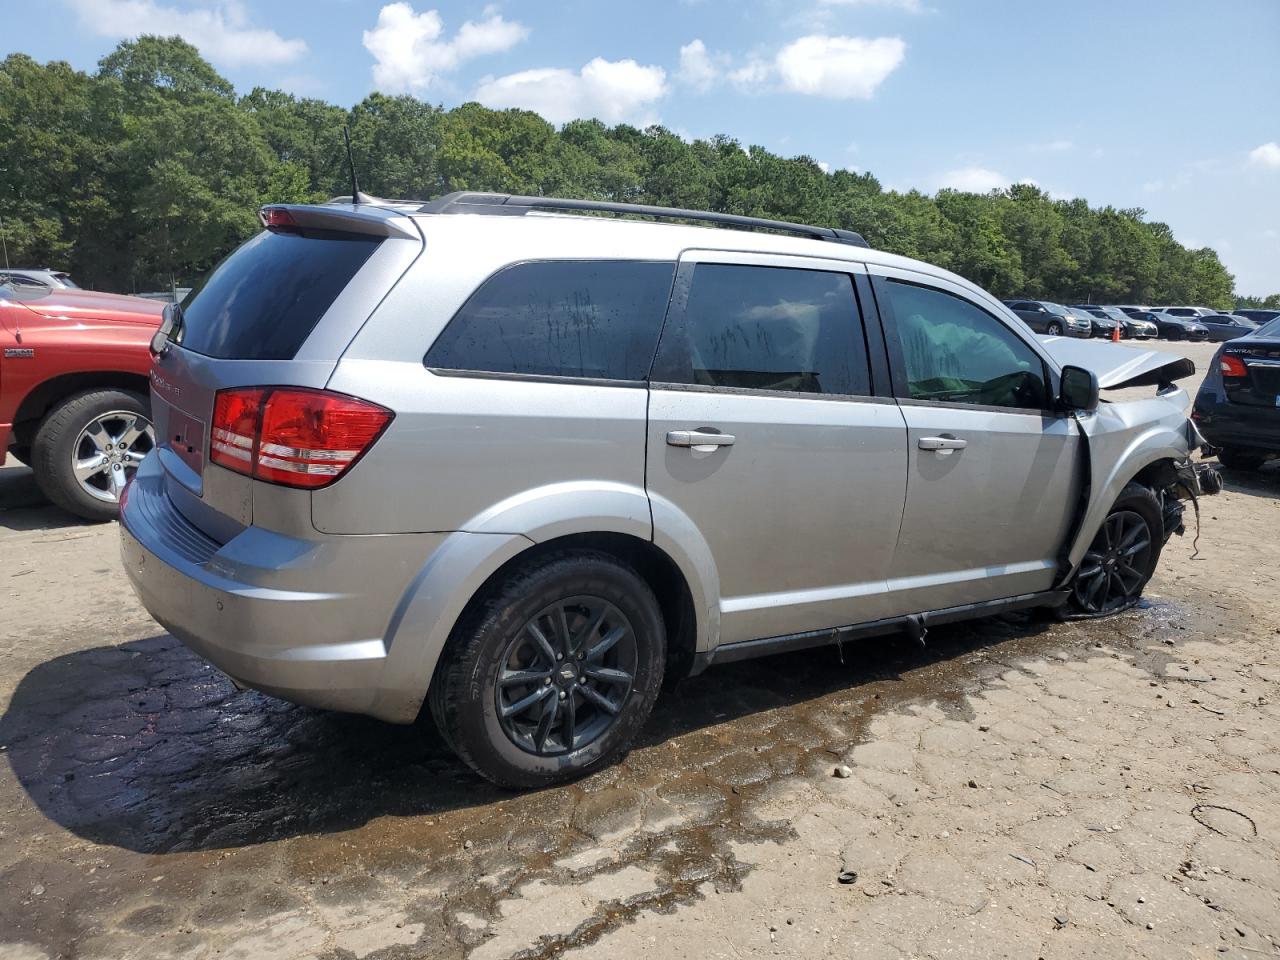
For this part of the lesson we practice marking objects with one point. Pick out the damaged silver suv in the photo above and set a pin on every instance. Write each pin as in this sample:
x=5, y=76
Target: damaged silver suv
x=522, y=464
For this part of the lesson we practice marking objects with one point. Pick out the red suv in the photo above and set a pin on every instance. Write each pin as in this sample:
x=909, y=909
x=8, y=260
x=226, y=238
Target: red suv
x=74, y=393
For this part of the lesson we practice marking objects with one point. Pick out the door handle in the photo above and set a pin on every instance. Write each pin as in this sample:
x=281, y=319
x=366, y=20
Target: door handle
x=699, y=440
x=942, y=445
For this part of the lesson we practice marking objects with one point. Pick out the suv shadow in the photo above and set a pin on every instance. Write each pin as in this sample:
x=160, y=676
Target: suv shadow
x=146, y=747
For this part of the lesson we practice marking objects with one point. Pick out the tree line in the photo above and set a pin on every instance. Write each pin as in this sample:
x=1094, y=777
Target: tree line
x=152, y=168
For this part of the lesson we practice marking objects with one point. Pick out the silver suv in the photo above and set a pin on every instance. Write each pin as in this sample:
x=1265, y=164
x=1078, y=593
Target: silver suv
x=525, y=465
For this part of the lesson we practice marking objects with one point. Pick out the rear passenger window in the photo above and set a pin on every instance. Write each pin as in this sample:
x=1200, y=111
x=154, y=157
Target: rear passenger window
x=564, y=318
x=955, y=352
x=767, y=328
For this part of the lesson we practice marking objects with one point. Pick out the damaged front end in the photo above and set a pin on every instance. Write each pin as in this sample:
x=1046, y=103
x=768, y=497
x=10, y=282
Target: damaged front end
x=1149, y=440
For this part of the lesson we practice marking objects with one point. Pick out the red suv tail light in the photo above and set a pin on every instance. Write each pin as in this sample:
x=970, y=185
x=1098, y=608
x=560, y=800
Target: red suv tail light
x=293, y=436
x=1232, y=366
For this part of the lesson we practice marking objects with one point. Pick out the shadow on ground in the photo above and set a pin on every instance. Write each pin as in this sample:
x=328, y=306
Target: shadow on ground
x=144, y=746
x=23, y=506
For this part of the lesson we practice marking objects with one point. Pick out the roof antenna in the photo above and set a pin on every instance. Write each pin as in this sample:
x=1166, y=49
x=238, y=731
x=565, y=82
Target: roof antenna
x=356, y=195
x=4, y=243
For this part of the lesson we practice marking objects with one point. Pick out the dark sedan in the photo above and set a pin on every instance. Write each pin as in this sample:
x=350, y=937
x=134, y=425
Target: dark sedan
x=1169, y=326
x=1052, y=319
x=1238, y=406
x=1103, y=325
x=1129, y=326
x=1258, y=316
x=1227, y=326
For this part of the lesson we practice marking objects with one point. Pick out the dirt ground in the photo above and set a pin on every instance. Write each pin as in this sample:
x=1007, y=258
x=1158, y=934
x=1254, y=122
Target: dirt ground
x=1019, y=788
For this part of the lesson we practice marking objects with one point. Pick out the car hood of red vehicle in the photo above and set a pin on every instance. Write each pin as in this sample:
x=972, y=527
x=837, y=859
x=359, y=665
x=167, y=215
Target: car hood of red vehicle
x=91, y=305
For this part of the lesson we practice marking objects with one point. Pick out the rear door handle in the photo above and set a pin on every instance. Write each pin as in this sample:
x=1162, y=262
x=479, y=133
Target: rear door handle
x=699, y=439
x=942, y=445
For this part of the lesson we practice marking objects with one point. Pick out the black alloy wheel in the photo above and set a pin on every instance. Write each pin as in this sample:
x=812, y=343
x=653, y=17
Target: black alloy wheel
x=1117, y=564
x=566, y=675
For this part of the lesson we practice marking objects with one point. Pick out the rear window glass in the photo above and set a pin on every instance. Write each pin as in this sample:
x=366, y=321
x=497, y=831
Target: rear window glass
x=768, y=328
x=565, y=318
x=263, y=301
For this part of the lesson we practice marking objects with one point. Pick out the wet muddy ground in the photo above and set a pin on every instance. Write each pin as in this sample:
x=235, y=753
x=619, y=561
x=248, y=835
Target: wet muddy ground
x=1019, y=787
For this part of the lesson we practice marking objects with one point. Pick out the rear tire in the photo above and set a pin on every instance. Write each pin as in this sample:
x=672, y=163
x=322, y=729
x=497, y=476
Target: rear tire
x=1122, y=557
x=64, y=440
x=1237, y=458
x=552, y=673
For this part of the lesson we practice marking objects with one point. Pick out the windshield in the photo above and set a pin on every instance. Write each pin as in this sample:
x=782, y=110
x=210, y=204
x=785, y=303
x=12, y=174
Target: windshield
x=1271, y=329
x=1057, y=309
x=66, y=281
x=1080, y=314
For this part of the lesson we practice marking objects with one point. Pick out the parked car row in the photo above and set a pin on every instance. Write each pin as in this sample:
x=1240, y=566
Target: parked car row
x=1137, y=322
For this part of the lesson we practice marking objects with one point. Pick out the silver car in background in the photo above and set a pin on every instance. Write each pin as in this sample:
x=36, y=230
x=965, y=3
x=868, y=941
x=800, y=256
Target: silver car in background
x=522, y=466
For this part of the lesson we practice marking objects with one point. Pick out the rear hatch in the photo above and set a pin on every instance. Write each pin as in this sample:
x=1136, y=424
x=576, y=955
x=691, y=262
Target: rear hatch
x=1259, y=361
x=278, y=311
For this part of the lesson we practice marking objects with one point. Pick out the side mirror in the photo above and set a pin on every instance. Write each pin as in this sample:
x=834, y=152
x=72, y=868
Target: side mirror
x=1079, y=389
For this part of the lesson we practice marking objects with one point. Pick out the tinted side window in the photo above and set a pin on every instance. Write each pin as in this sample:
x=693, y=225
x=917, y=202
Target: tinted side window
x=768, y=328
x=955, y=352
x=565, y=318
x=264, y=300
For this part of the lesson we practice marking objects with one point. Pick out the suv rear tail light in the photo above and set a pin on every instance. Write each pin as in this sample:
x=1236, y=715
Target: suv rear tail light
x=293, y=436
x=1232, y=366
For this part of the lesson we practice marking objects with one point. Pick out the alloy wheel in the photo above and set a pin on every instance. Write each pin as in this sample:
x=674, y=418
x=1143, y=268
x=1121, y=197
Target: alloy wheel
x=1117, y=564
x=107, y=452
x=564, y=679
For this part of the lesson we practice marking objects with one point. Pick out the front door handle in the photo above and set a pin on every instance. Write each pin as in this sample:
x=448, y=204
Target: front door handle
x=699, y=439
x=942, y=445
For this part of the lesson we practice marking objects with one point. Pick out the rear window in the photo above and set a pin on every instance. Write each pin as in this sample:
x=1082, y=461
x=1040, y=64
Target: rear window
x=565, y=318
x=768, y=328
x=263, y=301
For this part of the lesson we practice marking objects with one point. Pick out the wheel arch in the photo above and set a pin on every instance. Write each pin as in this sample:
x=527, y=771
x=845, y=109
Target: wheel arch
x=1147, y=460
x=664, y=547
x=47, y=394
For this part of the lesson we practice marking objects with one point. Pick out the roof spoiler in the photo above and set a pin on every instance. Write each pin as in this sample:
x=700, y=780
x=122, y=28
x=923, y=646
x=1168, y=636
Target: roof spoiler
x=350, y=218
x=505, y=204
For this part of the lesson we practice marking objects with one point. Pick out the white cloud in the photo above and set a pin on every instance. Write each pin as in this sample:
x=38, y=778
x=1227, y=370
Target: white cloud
x=1267, y=155
x=1270, y=233
x=973, y=180
x=697, y=69
x=824, y=166
x=613, y=91
x=752, y=74
x=411, y=53
x=838, y=67
x=220, y=30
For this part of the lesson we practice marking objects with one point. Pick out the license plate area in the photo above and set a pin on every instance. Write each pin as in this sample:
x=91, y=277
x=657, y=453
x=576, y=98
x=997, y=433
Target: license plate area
x=185, y=437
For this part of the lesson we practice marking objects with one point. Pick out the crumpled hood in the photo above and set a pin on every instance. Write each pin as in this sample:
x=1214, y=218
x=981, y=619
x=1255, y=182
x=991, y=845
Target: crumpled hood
x=1118, y=366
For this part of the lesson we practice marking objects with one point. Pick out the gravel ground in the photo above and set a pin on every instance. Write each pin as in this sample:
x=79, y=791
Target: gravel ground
x=1020, y=788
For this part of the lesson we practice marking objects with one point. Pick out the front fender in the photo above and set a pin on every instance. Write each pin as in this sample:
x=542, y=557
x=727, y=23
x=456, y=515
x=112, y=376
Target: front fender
x=1123, y=439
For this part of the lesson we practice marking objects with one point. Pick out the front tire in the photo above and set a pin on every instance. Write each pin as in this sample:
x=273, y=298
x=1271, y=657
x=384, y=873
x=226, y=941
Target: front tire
x=1122, y=557
x=1054, y=329
x=551, y=675
x=87, y=449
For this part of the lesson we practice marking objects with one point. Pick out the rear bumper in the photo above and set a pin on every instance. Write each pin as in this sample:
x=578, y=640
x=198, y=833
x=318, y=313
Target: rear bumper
x=1225, y=424
x=299, y=619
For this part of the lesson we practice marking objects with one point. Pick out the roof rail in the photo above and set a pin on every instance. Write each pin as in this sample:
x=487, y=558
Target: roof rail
x=513, y=205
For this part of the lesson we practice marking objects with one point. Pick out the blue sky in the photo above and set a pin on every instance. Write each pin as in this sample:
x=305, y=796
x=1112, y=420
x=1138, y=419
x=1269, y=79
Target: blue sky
x=1168, y=105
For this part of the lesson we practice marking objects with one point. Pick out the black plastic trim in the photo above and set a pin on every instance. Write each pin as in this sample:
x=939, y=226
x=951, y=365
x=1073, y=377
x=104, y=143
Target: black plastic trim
x=767, y=646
